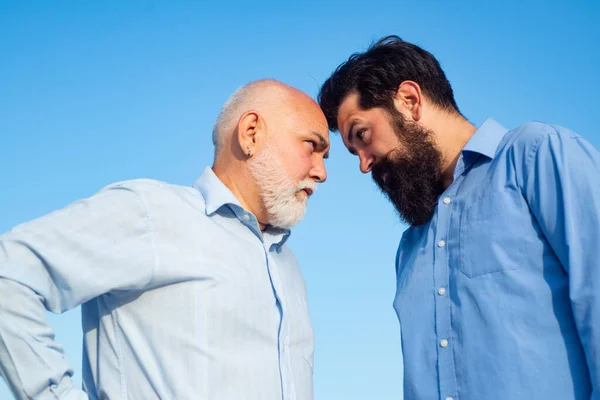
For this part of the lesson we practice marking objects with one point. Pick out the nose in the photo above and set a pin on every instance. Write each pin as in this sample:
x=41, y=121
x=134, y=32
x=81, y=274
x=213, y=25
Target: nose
x=318, y=172
x=366, y=162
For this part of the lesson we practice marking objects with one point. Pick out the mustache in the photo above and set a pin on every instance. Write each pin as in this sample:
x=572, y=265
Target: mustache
x=307, y=184
x=412, y=184
x=380, y=168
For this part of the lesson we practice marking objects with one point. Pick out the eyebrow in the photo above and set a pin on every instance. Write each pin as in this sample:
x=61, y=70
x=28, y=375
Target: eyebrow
x=351, y=131
x=323, y=144
x=351, y=137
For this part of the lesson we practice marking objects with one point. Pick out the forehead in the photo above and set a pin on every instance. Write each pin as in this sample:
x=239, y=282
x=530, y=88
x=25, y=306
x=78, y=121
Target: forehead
x=317, y=120
x=348, y=107
x=309, y=116
x=301, y=118
x=348, y=112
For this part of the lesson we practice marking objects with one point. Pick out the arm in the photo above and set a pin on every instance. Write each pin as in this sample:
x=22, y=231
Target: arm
x=56, y=263
x=562, y=187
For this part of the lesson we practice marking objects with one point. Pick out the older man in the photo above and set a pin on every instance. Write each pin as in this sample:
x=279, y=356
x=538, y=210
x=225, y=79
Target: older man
x=186, y=292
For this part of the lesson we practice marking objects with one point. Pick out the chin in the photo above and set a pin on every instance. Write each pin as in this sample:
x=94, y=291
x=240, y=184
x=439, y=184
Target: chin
x=302, y=197
x=288, y=219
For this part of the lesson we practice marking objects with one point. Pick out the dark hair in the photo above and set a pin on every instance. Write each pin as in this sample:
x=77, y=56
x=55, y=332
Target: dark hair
x=376, y=74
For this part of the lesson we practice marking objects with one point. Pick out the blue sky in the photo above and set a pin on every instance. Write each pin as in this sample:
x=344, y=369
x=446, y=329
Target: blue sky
x=104, y=91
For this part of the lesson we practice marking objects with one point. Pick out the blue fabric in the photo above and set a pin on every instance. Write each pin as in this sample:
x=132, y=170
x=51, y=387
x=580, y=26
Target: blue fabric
x=182, y=297
x=498, y=295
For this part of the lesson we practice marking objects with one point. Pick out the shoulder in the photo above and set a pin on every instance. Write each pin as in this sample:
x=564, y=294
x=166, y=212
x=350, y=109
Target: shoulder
x=523, y=144
x=155, y=195
x=139, y=186
x=149, y=188
x=529, y=136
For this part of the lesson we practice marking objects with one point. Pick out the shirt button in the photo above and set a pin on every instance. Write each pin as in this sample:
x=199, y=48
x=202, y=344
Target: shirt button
x=441, y=243
x=246, y=217
x=449, y=398
x=447, y=200
x=444, y=343
x=442, y=291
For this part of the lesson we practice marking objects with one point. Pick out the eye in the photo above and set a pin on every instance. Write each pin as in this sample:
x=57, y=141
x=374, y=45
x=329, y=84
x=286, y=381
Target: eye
x=360, y=134
x=312, y=144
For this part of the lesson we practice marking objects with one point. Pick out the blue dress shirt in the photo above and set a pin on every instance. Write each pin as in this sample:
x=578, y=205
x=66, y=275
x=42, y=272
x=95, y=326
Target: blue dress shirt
x=498, y=296
x=182, y=297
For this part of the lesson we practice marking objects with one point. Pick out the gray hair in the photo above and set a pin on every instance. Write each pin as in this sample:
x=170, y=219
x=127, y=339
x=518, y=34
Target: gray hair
x=240, y=101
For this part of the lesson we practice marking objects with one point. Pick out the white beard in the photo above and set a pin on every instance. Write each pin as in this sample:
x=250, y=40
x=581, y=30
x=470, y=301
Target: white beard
x=283, y=199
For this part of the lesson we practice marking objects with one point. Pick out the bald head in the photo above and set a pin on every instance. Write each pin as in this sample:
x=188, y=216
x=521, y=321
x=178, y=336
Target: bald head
x=271, y=98
x=270, y=144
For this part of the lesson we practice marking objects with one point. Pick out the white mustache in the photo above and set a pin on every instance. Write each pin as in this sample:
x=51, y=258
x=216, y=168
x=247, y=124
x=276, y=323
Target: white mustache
x=307, y=184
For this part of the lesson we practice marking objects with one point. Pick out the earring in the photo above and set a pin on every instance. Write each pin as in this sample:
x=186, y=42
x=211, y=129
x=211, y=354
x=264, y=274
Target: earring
x=249, y=153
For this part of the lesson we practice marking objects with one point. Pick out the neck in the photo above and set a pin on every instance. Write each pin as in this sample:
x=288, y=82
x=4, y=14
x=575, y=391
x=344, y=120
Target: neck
x=452, y=133
x=242, y=187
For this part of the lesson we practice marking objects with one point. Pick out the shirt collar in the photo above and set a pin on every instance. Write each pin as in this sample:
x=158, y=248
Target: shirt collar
x=217, y=195
x=486, y=139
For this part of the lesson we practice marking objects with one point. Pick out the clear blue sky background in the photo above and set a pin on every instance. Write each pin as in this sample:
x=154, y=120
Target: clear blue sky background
x=104, y=91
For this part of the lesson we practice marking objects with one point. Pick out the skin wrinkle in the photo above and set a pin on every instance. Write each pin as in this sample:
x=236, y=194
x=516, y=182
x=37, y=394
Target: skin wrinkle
x=285, y=132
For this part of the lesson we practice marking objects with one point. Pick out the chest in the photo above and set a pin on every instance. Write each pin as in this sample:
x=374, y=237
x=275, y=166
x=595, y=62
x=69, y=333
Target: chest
x=482, y=227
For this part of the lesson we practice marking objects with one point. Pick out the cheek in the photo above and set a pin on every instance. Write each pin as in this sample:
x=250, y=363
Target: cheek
x=301, y=160
x=303, y=167
x=296, y=162
x=383, y=147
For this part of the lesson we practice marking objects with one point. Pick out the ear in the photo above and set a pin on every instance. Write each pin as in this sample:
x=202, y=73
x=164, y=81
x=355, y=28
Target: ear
x=409, y=99
x=248, y=131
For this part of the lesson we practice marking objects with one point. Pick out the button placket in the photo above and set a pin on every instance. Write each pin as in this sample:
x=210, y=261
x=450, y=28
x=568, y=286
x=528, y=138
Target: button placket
x=442, y=319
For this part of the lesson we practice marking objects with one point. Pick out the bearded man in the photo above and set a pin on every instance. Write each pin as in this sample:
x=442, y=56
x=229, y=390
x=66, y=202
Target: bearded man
x=186, y=292
x=498, y=273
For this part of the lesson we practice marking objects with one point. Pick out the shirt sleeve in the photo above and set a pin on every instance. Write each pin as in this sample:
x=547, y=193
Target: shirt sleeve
x=57, y=262
x=562, y=187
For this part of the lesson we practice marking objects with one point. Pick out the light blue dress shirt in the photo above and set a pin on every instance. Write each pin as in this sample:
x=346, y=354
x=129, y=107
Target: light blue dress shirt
x=498, y=296
x=182, y=297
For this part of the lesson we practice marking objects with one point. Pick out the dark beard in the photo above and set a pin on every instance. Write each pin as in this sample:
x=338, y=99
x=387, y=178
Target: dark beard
x=413, y=172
